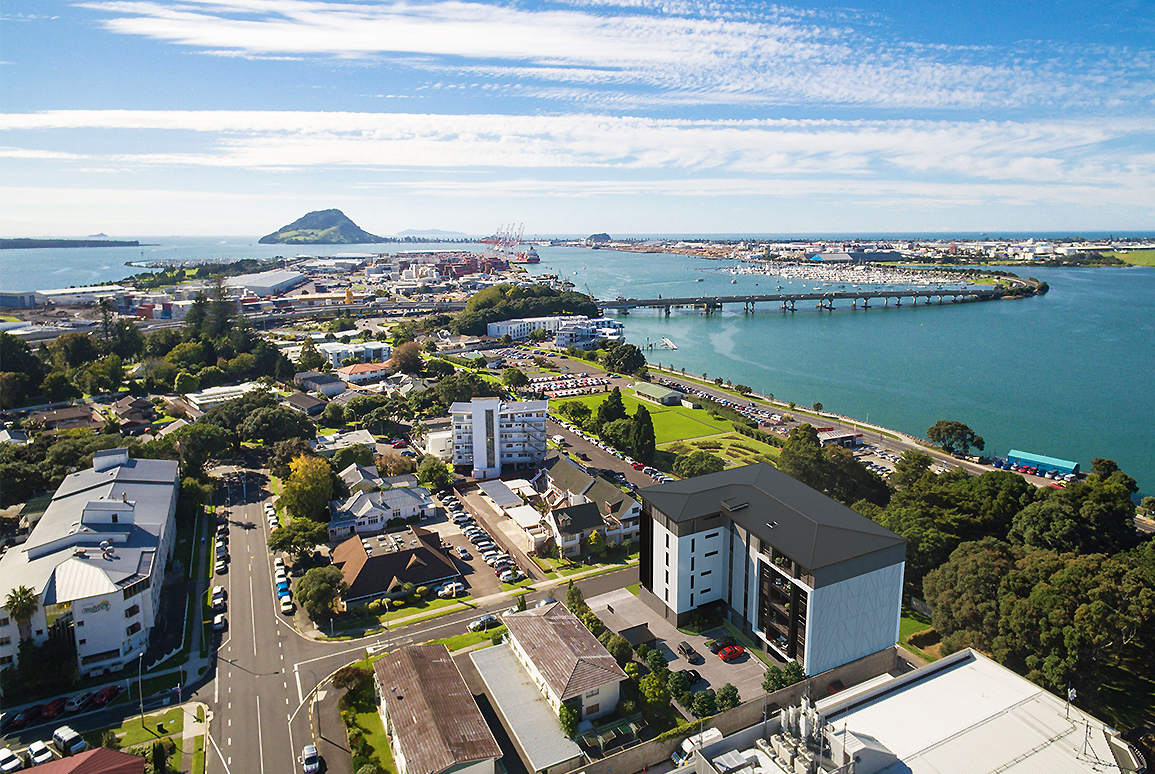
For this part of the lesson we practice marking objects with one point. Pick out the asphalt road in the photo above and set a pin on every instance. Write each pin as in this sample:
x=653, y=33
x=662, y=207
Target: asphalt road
x=261, y=688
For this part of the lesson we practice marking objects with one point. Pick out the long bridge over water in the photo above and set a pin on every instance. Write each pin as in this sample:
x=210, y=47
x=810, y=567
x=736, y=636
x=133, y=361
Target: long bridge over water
x=824, y=300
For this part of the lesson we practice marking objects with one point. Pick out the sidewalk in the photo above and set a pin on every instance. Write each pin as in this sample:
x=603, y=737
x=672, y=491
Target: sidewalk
x=478, y=602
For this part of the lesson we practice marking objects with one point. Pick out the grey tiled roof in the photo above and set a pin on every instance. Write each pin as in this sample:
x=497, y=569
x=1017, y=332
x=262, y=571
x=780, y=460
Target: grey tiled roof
x=805, y=524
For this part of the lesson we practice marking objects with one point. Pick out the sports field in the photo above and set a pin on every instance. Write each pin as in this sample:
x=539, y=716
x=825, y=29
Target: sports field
x=671, y=423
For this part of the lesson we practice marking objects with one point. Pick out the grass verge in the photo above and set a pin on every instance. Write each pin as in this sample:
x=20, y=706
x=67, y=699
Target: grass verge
x=460, y=641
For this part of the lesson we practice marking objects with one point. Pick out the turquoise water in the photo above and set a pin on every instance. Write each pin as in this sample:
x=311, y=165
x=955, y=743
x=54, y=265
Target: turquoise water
x=1067, y=374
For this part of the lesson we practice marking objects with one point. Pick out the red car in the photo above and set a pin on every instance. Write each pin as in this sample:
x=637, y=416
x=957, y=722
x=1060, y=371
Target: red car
x=398, y=444
x=731, y=652
x=637, y=466
x=105, y=695
x=28, y=716
x=53, y=708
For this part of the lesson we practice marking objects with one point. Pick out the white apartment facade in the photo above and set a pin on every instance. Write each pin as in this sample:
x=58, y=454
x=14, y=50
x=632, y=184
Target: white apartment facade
x=214, y=396
x=808, y=578
x=337, y=352
x=489, y=433
x=96, y=560
x=522, y=327
x=589, y=332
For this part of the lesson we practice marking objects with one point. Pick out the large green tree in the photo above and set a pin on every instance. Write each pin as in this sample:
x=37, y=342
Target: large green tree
x=308, y=489
x=697, y=463
x=276, y=423
x=911, y=466
x=801, y=457
x=643, y=445
x=954, y=437
x=318, y=589
x=611, y=409
x=299, y=537
x=22, y=603
x=1094, y=515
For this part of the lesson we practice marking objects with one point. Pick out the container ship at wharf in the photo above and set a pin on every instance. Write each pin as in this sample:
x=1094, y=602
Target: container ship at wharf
x=506, y=244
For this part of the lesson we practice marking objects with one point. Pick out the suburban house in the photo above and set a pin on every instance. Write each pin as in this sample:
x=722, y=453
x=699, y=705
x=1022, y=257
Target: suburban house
x=565, y=660
x=369, y=511
x=433, y=723
x=372, y=570
x=68, y=418
x=306, y=403
x=337, y=352
x=365, y=478
x=315, y=381
x=99, y=760
x=96, y=560
x=328, y=445
x=804, y=576
x=569, y=492
x=360, y=373
x=134, y=409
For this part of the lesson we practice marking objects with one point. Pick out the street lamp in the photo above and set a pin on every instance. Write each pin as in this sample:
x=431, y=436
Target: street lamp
x=140, y=684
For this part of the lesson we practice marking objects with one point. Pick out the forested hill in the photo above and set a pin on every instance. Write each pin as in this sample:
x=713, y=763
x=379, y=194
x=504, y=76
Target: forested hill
x=506, y=302
x=322, y=227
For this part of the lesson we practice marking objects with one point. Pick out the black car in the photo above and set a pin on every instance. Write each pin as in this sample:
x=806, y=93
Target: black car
x=687, y=652
x=691, y=675
x=721, y=642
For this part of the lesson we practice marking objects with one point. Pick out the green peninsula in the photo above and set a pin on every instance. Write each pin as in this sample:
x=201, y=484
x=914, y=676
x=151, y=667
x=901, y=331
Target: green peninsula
x=323, y=227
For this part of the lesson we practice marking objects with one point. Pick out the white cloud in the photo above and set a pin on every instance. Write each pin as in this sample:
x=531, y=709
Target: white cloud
x=688, y=54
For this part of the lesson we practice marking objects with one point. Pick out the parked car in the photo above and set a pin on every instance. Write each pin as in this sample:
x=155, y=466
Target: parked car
x=483, y=623
x=691, y=675
x=105, y=695
x=39, y=753
x=278, y=563
x=282, y=588
x=219, y=622
x=450, y=590
x=310, y=761
x=9, y=761
x=510, y=576
x=731, y=652
x=54, y=708
x=721, y=642
x=28, y=716
x=78, y=702
x=287, y=605
x=463, y=552
x=221, y=567
x=688, y=653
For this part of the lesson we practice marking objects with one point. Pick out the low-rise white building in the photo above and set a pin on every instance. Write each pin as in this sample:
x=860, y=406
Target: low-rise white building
x=370, y=511
x=337, y=352
x=489, y=433
x=565, y=661
x=96, y=561
x=206, y=399
x=589, y=332
x=523, y=327
x=362, y=373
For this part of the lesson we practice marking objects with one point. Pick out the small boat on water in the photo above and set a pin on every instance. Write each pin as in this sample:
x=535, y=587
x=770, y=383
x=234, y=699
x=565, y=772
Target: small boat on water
x=700, y=279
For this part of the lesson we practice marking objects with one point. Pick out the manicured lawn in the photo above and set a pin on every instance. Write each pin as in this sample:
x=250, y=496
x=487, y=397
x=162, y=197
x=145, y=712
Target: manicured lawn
x=460, y=641
x=910, y=624
x=634, y=588
x=735, y=449
x=671, y=423
x=374, y=733
x=521, y=584
x=1137, y=257
x=131, y=732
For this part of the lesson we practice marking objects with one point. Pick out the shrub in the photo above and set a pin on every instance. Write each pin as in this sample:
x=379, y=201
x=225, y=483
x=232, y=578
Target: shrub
x=375, y=606
x=422, y=592
x=497, y=637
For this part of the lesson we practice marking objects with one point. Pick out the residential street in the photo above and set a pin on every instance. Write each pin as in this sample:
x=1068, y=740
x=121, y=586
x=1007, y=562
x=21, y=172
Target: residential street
x=261, y=688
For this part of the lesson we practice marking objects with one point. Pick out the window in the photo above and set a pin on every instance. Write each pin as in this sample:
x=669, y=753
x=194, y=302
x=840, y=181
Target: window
x=667, y=558
x=132, y=611
x=691, y=544
x=706, y=572
x=705, y=591
x=591, y=694
x=80, y=623
x=691, y=581
x=712, y=535
x=667, y=594
x=5, y=640
x=691, y=564
x=3, y=621
x=132, y=629
x=5, y=660
x=592, y=709
x=691, y=599
x=667, y=577
x=711, y=553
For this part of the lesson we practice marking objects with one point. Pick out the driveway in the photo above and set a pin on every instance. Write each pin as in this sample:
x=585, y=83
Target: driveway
x=492, y=522
x=745, y=672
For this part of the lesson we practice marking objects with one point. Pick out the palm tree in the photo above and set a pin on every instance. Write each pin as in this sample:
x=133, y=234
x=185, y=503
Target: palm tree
x=22, y=603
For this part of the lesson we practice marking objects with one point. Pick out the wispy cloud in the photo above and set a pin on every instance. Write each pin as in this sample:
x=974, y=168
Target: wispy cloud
x=689, y=53
x=981, y=158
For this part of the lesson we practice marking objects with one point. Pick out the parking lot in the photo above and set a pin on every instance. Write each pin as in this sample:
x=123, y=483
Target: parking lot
x=745, y=672
x=479, y=577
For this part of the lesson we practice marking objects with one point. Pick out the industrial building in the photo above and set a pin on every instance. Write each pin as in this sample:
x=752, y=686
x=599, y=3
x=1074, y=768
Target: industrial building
x=489, y=433
x=962, y=713
x=1043, y=463
x=96, y=560
x=267, y=283
x=804, y=576
x=82, y=296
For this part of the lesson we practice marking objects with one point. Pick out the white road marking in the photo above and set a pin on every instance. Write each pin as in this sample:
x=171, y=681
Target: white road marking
x=253, y=611
x=300, y=696
x=260, y=736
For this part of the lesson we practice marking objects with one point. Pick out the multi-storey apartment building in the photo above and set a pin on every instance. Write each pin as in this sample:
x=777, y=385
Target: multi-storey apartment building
x=522, y=327
x=96, y=561
x=805, y=576
x=489, y=433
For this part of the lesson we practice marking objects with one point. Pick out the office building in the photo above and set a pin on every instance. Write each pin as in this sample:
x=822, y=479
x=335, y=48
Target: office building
x=804, y=576
x=489, y=433
x=96, y=560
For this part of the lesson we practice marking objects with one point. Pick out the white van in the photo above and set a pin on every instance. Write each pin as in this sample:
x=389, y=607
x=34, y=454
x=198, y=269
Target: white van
x=68, y=742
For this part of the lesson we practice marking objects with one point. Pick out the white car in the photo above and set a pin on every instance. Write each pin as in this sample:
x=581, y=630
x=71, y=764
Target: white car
x=219, y=622
x=280, y=577
x=310, y=761
x=451, y=590
x=9, y=761
x=287, y=605
x=278, y=563
x=39, y=753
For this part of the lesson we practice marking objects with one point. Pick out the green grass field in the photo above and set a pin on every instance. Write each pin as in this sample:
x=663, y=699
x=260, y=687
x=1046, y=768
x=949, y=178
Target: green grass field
x=671, y=423
x=469, y=638
x=1137, y=257
x=735, y=449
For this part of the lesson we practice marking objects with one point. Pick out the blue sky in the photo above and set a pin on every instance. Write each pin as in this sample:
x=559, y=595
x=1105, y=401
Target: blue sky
x=639, y=116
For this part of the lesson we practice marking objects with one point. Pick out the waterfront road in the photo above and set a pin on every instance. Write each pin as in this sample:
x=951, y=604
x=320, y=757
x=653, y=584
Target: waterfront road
x=262, y=684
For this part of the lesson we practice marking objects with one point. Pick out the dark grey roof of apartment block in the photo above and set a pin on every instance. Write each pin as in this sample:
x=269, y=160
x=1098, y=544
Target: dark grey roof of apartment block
x=805, y=524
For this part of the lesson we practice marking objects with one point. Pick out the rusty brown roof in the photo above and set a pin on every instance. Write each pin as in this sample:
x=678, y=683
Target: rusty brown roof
x=567, y=654
x=431, y=713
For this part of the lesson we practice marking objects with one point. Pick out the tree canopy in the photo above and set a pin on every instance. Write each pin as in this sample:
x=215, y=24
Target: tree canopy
x=954, y=437
x=506, y=302
x=308, y=488
x=697, y=463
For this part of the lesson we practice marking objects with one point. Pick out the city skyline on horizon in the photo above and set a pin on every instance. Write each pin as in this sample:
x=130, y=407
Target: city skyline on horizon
x=234, y=117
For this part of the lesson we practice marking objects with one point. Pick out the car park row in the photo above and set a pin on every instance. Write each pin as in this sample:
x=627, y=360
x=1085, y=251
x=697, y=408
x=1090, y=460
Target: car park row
x=652, y=472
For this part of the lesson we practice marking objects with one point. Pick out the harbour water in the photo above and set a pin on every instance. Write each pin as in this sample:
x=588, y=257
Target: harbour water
x=1067, y=374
